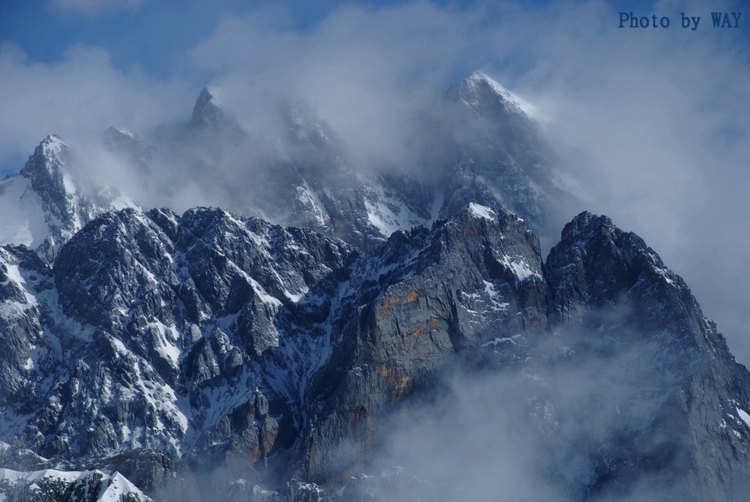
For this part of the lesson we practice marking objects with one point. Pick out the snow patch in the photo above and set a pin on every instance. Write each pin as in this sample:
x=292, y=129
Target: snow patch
x=125, y=132
x=482, y=212
x=389, y=215
x=165, y=348
x=520, y=268
x=311, y=203
x=744, y=416
x=494, y=295
x=119, y=486
x=498, y=341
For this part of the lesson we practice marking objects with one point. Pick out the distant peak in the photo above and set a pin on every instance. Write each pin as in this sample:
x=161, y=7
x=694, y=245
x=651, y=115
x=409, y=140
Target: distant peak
x=48, y=158
x=53, y=138
x=206, y=112
x=480, y=75
x=115, y=131
x=46, y=170
x=120, y=139
x=478, y=90
x=53, y=145
x=205, y=96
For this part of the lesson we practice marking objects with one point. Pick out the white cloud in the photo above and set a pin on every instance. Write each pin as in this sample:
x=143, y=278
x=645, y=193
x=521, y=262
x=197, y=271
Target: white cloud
x=78, y=98
x=359, y=69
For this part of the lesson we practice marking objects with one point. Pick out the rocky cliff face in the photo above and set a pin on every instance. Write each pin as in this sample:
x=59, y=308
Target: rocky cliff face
x=695, y=433
x=203, y=349
x=426, y=302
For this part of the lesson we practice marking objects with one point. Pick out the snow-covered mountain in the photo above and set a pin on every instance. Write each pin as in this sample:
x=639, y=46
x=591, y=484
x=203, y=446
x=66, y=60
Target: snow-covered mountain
x=66, y=485
x=215, y=354
x=301, y=173
x=41, y=207
x=222, y=341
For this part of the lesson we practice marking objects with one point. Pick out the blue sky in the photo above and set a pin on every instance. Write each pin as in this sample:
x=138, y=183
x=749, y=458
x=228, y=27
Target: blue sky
x=661, y=117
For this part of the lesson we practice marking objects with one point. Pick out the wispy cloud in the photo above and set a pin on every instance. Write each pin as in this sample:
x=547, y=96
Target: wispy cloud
x=78, y=98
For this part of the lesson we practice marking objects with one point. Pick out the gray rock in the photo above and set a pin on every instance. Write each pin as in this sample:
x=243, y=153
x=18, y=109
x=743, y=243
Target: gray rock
x=611, y=294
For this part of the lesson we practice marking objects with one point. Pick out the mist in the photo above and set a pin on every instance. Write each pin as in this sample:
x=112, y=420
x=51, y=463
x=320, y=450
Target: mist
x=575, y=422
x=655, y=122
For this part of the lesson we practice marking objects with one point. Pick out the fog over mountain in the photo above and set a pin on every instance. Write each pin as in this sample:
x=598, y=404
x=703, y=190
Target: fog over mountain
x=354, y=267
x=657, y=117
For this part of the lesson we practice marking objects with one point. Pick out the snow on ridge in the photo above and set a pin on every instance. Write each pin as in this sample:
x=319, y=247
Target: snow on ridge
x=118, y=200
x=115, y=486
x=521, y=104
x=53, y=146
x=125, y=132
x=119, y=486
x=482, y=212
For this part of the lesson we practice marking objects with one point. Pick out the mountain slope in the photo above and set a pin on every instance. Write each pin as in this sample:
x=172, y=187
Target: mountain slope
x=245, y=350
x=608, y=282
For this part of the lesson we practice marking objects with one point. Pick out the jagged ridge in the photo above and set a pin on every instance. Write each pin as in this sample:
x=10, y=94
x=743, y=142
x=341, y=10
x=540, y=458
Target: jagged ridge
x=221, y=340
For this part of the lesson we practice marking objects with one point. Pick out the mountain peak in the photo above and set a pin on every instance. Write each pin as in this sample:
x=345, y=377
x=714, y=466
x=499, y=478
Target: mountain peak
x=45, y=168
x=479, y=75
x=49, y=208
x=481, y=93
x=206, y=113
x=52, y=149
x=54, y=146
